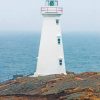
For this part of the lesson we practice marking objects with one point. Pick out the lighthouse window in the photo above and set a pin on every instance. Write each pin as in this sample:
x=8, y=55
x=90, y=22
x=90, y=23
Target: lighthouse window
x=59, y=41
x=60, y=62
x=57, y=21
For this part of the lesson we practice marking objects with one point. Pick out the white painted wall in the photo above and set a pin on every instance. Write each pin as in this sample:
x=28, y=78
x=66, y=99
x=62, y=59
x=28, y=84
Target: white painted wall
x=50, y=51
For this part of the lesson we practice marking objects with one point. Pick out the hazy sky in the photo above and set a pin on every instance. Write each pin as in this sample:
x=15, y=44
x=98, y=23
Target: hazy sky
x=24, y=15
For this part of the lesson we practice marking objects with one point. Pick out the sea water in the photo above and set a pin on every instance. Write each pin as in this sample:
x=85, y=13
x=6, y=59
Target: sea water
x=19, y=51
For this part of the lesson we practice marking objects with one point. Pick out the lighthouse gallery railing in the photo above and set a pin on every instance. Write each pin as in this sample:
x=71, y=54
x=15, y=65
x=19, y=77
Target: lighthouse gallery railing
x=58, y=10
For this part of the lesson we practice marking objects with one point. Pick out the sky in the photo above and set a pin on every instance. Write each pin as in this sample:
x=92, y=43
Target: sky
x=24, y=15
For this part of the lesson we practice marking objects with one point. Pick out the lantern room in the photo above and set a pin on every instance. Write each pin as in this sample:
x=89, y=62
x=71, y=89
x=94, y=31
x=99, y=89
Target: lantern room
x=51, y=2
x=51, y=7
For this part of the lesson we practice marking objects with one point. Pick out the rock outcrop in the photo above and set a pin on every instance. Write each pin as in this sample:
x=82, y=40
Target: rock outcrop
x=85, y=86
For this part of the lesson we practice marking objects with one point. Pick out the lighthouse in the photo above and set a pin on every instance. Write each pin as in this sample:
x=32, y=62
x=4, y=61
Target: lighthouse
x=50, y=58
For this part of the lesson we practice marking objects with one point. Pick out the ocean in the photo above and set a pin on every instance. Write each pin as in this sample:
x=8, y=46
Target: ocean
x=18, y=53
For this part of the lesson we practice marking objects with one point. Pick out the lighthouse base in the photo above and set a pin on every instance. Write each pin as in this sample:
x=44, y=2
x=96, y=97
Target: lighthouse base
x=36, y=74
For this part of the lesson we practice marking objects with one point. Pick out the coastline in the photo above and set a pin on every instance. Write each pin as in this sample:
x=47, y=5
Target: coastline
x=83, y=86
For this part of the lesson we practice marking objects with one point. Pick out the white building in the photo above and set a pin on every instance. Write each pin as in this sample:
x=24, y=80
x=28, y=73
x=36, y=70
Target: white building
x=51, y=55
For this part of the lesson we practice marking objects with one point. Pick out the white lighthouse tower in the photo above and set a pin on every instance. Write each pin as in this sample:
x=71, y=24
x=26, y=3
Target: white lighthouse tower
x=51, y=55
